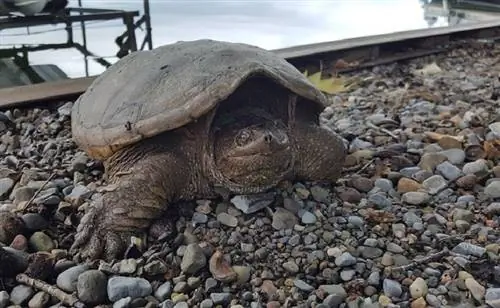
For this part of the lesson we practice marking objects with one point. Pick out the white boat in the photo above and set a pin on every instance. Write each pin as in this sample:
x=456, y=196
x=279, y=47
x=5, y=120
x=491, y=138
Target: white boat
x=31, y=7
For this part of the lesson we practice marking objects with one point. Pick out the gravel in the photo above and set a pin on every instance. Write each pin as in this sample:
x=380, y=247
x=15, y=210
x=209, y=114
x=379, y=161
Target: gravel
x=413, y=222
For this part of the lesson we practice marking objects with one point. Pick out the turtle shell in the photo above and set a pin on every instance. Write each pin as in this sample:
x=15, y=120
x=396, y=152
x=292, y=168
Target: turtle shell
x=150, y=92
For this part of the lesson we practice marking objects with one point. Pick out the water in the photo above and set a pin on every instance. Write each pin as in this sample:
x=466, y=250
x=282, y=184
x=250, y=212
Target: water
x=266, y=23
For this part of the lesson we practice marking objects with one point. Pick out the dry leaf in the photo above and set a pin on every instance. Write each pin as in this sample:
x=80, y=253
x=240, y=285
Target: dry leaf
x=332, y=85
x=380, y=216
x=429, y=69
x=437, y=136
x=492, y=148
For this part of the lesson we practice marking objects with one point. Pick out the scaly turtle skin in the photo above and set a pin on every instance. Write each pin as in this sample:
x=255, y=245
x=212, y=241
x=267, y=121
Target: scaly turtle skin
x=188, y=120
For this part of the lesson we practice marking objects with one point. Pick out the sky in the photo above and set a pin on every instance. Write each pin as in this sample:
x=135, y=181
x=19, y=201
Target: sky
x=270, y=24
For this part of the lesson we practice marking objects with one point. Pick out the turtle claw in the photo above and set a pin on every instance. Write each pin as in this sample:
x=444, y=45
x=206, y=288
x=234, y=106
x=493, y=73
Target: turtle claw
x=93, y=244
x=95, y=238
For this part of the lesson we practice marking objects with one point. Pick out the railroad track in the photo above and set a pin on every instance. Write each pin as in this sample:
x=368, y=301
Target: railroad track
x=355, y=54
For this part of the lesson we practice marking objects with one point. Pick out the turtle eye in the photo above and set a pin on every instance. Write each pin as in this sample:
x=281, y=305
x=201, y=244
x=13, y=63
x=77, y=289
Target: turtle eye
x=243, y=137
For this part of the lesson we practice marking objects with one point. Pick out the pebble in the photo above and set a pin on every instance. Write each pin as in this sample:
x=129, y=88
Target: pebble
x=415, y=197
x=227, y=220
x=308, y=218
x=449, y=171
x=4, y=299
x=392, y=288
x=40, y=241
x=120, y=287
x=122, y=303
x=418, y=288
x=469, y=249
x=91, y=286
x=194, y=259
x=39, y=300
x=345, y=260
x=493, y=189
x=434, y=184
x=476, y=289
x=164, y=290
x=291, y=267
x=68, y=279
x=283, y=219
x=475, y=167
x=302, y=285
x=207, y=303
x=34, y=222
x=21, y=294
x=249, y=204
x=220, y=298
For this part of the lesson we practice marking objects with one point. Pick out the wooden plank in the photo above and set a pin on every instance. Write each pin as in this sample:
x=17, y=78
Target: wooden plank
x=62, y=89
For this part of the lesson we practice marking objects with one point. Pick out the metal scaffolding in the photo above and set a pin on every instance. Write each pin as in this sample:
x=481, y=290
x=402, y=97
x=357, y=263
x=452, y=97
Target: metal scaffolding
x=126, y=42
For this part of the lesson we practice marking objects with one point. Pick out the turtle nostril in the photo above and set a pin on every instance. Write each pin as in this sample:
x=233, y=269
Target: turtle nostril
x=268, y=138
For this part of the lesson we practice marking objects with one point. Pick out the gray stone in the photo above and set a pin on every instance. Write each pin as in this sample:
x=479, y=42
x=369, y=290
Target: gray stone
x=345, y=259
x=227, y=220
x=91, y=287
x=347, y=275
x=199, y=218
x=206, y=303
x=194, y=259
x=21, y=294
x=454, y=156
x=120, y=287
x=493, y=208
x=474, y=167
x=164, y=290
x=492, y=190
x=415, y=197
x=291, y=267
x=434, y=184
x=392, y=288
x=249, y=204
x=39, y=300
x=302, y=285
x=6, y=185
x=468, y=249
x=394, y=248
x=4, y=299
x=374, y=279
x=356, y=221
x=68, y=279
x=220, y=298
x=283, y=219
x=308, y=218
x=380, y=200
x=449, y=171
x=384, y=184
x=122, y=303
x=320, y=194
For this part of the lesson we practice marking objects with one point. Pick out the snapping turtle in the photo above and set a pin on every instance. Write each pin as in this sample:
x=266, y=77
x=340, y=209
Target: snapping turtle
x=195, y=120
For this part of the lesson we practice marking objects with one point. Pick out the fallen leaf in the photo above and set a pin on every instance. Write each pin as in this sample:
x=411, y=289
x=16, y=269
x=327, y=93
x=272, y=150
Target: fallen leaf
x=429, y=69
x=492, y=148
x=379, y=216
x=437, y=136
x=332, y=85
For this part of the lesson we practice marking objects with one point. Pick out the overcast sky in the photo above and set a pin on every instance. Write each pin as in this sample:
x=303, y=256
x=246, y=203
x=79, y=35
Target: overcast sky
x=267, y=23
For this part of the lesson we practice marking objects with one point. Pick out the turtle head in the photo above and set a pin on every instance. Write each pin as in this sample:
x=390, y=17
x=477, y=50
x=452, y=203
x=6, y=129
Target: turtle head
x=252, y=157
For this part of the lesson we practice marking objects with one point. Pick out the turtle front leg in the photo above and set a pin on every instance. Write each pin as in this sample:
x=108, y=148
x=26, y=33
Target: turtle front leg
x=144, y=182
x=320, y=153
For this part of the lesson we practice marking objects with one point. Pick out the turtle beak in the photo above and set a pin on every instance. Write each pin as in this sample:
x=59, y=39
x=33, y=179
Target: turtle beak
x=266, y=144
